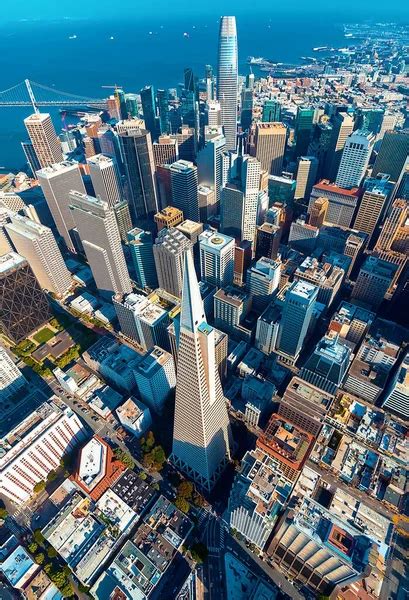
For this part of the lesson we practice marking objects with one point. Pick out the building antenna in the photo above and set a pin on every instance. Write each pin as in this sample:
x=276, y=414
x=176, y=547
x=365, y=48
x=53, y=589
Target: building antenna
x=31, y=94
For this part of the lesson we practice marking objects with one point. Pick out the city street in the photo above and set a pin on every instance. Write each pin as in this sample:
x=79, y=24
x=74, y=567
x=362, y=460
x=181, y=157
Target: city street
x=337, y=483
x=212, y=573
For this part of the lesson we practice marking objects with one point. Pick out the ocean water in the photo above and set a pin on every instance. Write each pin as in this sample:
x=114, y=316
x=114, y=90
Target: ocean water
x=153, y=51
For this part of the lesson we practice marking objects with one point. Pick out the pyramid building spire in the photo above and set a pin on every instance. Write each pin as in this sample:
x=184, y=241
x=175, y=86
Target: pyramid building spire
x=201, y=434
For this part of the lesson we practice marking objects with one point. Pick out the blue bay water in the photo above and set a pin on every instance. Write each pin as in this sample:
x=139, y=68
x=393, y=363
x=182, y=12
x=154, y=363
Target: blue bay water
x=142, y=52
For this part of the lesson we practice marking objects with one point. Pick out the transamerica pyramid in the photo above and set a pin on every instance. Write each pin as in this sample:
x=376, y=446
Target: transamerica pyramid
x=201, y=434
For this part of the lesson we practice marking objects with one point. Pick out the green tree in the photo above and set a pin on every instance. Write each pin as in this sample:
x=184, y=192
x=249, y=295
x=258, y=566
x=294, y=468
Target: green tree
x=38, y=537
x=67, y=590
x=39, y=558
x=66, y=569
x=185, y=489
x=39, y=487
x=182, y=505
x=142, y=475
x=125, y=458
x=52, y=552
x=83, y=588
x=199, y=552
x=48, y=568
x=150, y=441
x=52, y=476
x=32, y=547
x=58, y=577
x=3, y=512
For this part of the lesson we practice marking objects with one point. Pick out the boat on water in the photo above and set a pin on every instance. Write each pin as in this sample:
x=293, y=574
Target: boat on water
x=256, y=60
x=321, y=48
x=72, y=37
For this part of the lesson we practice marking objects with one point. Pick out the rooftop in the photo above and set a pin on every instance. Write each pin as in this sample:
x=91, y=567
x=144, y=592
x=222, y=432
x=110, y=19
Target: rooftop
x=182, y=166
x=232, y=296
x=131, y=410
x=379, y=267
x=57, y=168
x=92, y=462
x=325, y=186
x=11, y=261
x=286, y=442
x=303, y=289
x=214, y=239
x=100, y=160
x=153, y=361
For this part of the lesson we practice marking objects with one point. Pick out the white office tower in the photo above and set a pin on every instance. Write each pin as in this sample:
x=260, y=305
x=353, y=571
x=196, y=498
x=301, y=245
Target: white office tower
x=184, y=182
x=227, y=79
x=306, y=176
x=142, y=320
x=296, y=316
x=105, y=179
x=38, y=245
x=374, y=279
x=46, y=144
x=201, y=434
x=155, y=377
x=57, y=181
x=169, y=253
x=210, y=164
x=216, y=258
x=263, y=280
x=355, y=158
x=397, y=396
x=98, y=230
x=214, y=113
x=12, y=381
x=35, y=447
x=251, y=187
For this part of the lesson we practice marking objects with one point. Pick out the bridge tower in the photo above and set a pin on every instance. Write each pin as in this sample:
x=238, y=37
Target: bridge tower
x=31, y=95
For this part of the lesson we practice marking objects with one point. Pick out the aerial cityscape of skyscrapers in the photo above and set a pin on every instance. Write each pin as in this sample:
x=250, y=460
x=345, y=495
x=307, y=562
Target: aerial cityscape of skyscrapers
x=204, y=329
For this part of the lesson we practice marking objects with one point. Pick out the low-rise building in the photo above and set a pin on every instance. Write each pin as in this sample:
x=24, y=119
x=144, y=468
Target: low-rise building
x=115, y=362
x=142, y=561
x=134, y=416
x=305, y=405
x=351, y=322
x=81, y=538
x=325, y=276
x=143, y=319
x=97, y=468
x=320, y=550
x=287, y=444
x=34, y=448
x=155, y=377
x=23, y=574
x=257, y=496
x=369, y=372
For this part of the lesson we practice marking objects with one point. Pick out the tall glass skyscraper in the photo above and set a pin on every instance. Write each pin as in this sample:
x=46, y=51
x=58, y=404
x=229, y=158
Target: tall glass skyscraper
x=227, y=81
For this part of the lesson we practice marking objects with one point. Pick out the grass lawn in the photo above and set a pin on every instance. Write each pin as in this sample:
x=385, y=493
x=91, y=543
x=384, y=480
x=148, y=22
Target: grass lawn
x=44, y=335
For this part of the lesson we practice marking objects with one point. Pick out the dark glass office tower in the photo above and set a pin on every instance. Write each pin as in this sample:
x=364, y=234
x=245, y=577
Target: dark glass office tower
x=369, y=119
x=23, y=304
x=303, y=130
x=246, y=108
x=163, y=107
x=139, y=164
x=149, y=109
x=271, y=111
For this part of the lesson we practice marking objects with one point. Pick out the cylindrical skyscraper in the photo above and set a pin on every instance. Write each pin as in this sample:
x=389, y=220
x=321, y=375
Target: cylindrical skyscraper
x=227, y=81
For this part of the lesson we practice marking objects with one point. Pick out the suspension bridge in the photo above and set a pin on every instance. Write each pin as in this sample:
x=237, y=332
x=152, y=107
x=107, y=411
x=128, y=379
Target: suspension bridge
x=30, y=93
